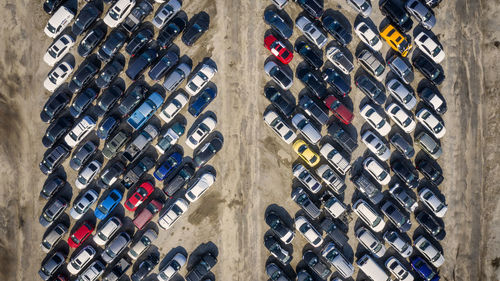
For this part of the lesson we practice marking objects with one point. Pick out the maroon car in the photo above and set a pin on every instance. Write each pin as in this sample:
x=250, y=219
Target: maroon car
x=147, y=213
x=339, y=109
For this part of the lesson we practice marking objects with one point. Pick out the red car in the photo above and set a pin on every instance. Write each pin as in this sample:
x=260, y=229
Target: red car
x=140, y=195
x=339, y=109
x=81, y=234
x=278, y=49
x=147, y=214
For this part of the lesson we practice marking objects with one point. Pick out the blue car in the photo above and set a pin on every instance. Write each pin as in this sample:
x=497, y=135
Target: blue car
x=202, y=101
x=108, y=204
x=168, y=166
x=145, y=111
x=423, y=269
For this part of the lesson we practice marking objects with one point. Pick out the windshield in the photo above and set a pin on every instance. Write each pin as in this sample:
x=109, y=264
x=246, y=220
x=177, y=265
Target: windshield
x=102, y=209
x=374, y=41
x=51, y=28
x=114, y=15
x=403, y=45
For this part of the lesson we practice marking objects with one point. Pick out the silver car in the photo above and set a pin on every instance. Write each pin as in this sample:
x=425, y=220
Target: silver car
x=80, y=260
x=371, y=64
x=361, y=6
x=401, y=93
x=175, y=78
x=83, y=204
x=53, y=237
x=93, y=272
x=423, y=14
x=115, y=247
x=166, y=13
x=140, y=246
x=311, y=31
x=303, y=124
x=401, y=68
x=403, y=247
x=281, y=77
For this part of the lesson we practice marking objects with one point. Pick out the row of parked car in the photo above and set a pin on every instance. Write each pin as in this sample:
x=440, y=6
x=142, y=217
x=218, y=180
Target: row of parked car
x=73, y=119
x=315, y=25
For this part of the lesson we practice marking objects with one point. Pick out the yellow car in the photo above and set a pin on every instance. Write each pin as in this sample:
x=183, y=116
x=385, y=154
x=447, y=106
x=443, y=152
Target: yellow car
x=396, y=40
x=303, y=150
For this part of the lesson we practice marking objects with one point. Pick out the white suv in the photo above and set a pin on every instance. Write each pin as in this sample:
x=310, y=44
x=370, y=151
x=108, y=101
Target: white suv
x=199, y=187
x=173, y=107
x=80, y=131
x=368, y=36
x=276, y=123
x=370, y=242
x=104, y=234
x=93, y=272
x=61, y=18
x=306, y=178
x=377, y=121
x=429, y=47
x=432, y=202
x=376, y=170
x=57, y=76
x=201, y=132
x=400, y=117
x=376, y=145
x=429, y=251
x=118, y=12
x=200, y=79
x=333, y=156
x=308, y=231
x=368, y=215
x=173, y=213
x=85, y=255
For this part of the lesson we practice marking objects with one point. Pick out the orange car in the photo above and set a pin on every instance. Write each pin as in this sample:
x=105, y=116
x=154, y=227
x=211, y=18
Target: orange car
x=396, y=40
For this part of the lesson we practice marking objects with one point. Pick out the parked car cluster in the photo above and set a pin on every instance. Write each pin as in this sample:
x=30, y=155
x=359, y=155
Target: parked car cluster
x=96, y=90
x=325, y=160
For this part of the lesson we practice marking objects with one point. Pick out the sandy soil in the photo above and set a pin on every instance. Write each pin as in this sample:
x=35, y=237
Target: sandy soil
x=254, y=168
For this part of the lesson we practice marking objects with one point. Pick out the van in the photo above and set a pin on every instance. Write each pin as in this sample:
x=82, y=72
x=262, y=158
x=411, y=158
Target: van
x=58, y=22
x=369, y=267
x=429, y=145
x=368, y=215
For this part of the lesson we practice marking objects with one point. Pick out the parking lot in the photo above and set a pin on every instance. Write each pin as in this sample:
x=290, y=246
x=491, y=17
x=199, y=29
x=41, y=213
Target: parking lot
x=254, y=167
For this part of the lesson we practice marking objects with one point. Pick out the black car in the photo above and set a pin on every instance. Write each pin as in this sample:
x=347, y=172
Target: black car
x=56, y=130
x=108, y=99
x=137, y=15
x=110, y=175
x=402, y=146
x=429, y=69
x=134, y=95
x=139, y=64
x=430, y=224
x=311, y=54
x=202, y=268
x=82, y=101
x=279, y=228
x=279, y=100
x=139, y=41
x=337, y=30
x=118, y=270
x=51, y=187
x=87, y=16
x=50, y=6
x=333, y=78
x=434, y=100
x=314, y=262
x=92, y=40
x=207, y=151
x=313, y=109
x=168, y=34
x=370, y=89
x=137, y=171
x=145, y=267
x=312, y=7
x=107, y=127
x=312, y=82
x=112, y=45
x=196, y=27
x=82, y=155
x=85, y=72
x=108, y=73
x=179, y=180
x=277, y=23
x=397, y=14
x=53, y=159
x=408, y=175
x=430, y=171
x=276, y=250
x=54, y=106
x=164, y=65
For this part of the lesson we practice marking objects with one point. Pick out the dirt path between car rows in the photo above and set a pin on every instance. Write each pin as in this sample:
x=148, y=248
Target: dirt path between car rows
x=254, y=168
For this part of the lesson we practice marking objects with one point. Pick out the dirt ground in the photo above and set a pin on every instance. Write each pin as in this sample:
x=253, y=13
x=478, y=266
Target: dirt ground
x=254, y=167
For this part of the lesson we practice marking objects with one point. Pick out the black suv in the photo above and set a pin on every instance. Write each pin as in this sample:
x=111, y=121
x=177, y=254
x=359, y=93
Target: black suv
x=279, y=100
x=430, y=171
x=337, y=30
x=168, y=34
x=311, y=54
x=312, y=7
x=85, y=72
x=115, y=41
x=402, y=145
x=207, y=151
x=49, y=6
x=139, y=41
x=145, y=267
x=333, y=78
x=82, y=101
x=87, y=16
x=108, y=99
x=56, y=130
x=408, y=175
x=139, y=64
x=429, y=69
x=197, y=26
x=313, y=109
x=430, y=224
x=110, y=175
x=397, y=14
x=54, y=106
x=370, y=89
x=51, y=186
x=202, y=268
x=91, y=40
x=276, y=250
x=314, y=83
x=314, y=262
x=53, y=159
x=108, y=73
x=179, y=180
x=137, y=15
x=134, y=95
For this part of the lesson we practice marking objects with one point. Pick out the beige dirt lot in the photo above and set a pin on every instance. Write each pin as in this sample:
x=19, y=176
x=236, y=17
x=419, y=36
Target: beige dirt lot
x=254, y=167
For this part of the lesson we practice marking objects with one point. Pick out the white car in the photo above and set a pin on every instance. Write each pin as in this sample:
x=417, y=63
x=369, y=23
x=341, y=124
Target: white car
x=199, y=187
x=57, y=76
x=93, y=272
x=80, y=131
x=166, y=13
x=276, y=123
x=339, y=59
x=395, y=241
x=118, y=12
x=377, y=121
x=173, y=213
x=306, y=178
x=430, y=47
x=201, y=132
x=311, y=31
x=361, y=6
x=370, y=241
x=301, y=123
x=58, y=22
x=368, y=215
x=58, y=49
x=398, y=270
x=377, y=171
x=172, y=267
x=401, y=117
x=432, y=202
x=339, y=162
x=200, y=79
x=376, y=145
x=401, y=93
x=308, y=231
x=431, y=123
x=334, y=257
x=175, y=78
x=83, y=204
x=173, y=107
x=141, y=245
x=104, y=234
x=80, y=260
x=279, y=75
x=368, y=36
x=87, y=174
x=430, y=252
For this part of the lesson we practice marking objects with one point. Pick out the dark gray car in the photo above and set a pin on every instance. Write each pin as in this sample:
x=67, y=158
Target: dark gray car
x=370, y=89
x=402, y=145
x=110, y=175
x=302, y=199
x=108, y=99
x=108, y=73
x=280, y=100
x=197, y=26
x=273, y=245
x=87, y=16
x=145, y=267
x=117, y=270
x=334, y=232
x=365, y=186
x=53, y=159
x=82, y=155
x=313, y=109
x=133, y=96
x=115, y=247
x=202, y=268
x=207, y=151
x=164, y=65
x=51, y=186
x=52, y=212
x=51, y=265
x=179, y=180
x=272, y=18
x=315, y=263
x=396, y=216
